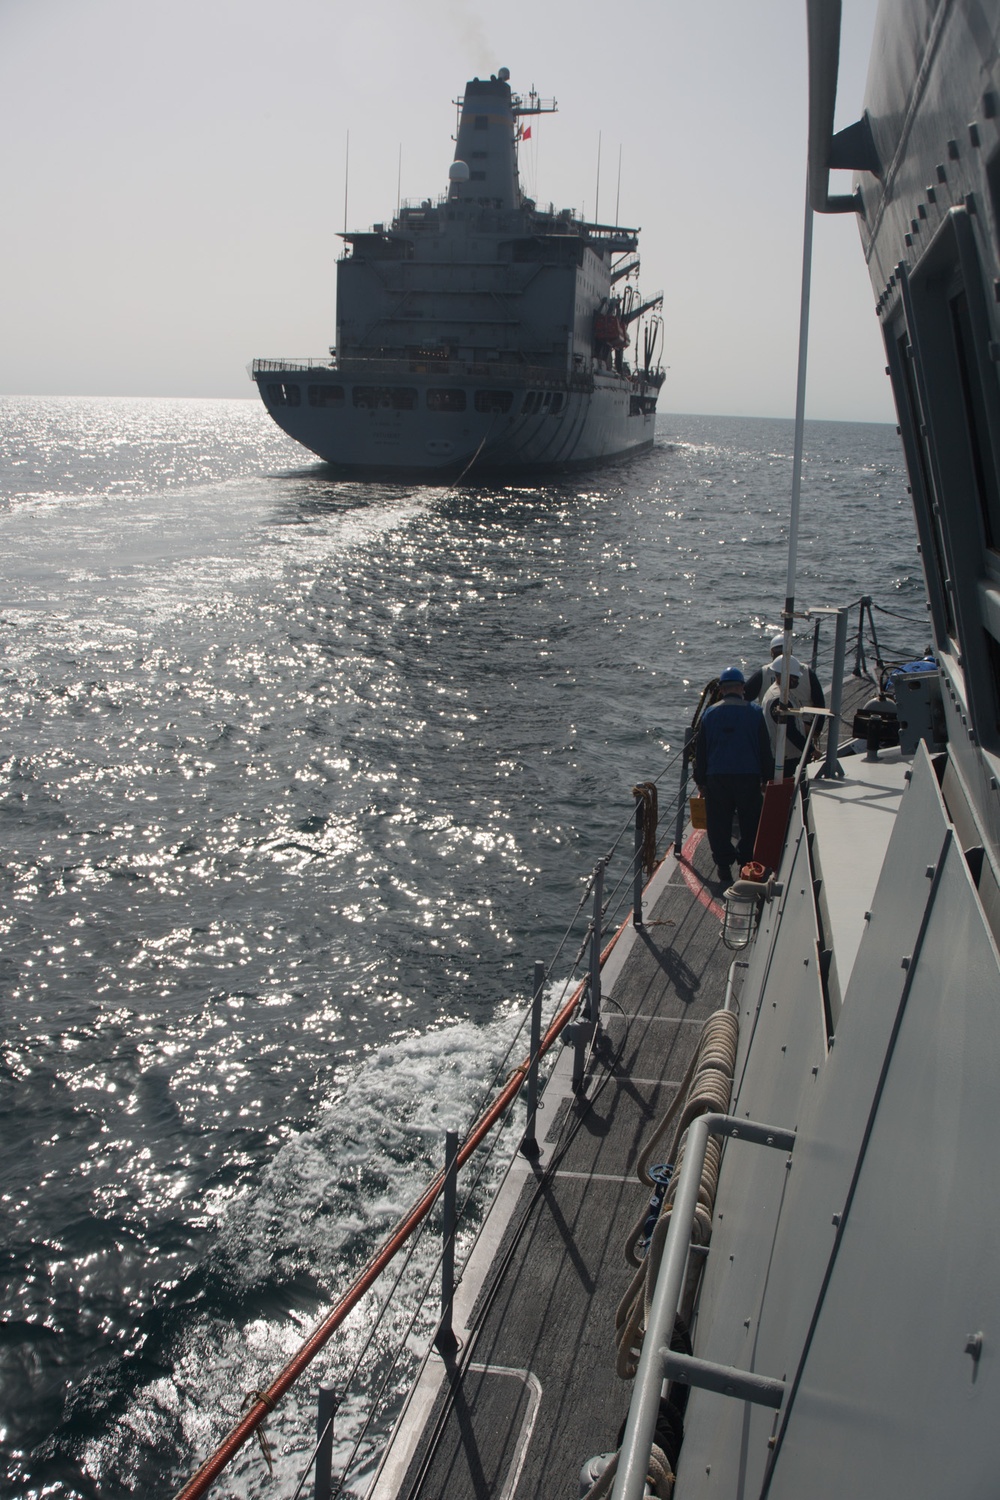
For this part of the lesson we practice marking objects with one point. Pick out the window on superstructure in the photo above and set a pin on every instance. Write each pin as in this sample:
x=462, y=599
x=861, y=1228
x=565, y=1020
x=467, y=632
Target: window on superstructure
x=494, y=400
x=384, y=397
x=924, y=494
x=949, y=322
x=993, y=182
x=326, y=395
x=976, y=417
x=445, y=400
x=284, y=394
x=993, y=657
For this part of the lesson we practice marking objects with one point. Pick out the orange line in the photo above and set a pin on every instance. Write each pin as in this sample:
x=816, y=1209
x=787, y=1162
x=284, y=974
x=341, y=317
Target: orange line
x=266, y=1401
x=693, y=881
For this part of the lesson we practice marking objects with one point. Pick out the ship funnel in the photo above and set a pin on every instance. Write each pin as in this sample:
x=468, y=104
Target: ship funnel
x=486, y=143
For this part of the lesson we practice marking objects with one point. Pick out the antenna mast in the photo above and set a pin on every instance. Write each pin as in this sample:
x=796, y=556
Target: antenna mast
x=597, y=193
x=347, y=171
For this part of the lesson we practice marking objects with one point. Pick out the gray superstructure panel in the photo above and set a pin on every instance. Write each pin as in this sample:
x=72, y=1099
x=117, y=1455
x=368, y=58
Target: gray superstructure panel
x=854, y=819
x=889, y=1400
x=777, y=1243
x=928, y=221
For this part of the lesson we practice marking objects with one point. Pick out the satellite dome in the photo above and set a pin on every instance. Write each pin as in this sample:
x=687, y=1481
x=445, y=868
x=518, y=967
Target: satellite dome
x=503, y=74
x=458, y=172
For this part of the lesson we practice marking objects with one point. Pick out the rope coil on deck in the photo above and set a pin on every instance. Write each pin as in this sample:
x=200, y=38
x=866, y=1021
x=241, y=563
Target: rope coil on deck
x=659, y=1476
x=716, y=1052
x=706, y=1088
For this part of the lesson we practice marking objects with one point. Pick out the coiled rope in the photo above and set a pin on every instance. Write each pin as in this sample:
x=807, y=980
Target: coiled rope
x=707, y=1087
x=659, y=1476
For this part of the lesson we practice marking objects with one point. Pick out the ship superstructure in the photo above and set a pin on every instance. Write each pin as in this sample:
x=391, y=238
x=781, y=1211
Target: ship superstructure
x=479, y=333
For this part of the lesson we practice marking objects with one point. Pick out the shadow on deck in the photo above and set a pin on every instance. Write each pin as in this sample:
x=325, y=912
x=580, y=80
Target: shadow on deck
x=535, y=1393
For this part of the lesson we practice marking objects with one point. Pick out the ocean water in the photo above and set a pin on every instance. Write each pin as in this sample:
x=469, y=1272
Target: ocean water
x=297, y=778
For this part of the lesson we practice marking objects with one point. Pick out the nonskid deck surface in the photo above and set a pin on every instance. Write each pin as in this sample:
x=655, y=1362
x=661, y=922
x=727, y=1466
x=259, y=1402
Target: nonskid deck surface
x=535, y=1392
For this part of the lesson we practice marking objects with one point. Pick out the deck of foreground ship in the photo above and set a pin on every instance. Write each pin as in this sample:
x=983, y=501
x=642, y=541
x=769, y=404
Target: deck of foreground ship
x=532, y=1391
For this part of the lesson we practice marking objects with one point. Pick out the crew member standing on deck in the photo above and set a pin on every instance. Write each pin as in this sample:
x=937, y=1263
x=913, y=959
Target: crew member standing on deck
x=796, y=728
x=758, y=682
x=732, y=762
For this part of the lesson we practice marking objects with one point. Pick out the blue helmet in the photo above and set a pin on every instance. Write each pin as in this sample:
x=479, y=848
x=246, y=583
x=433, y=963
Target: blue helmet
x=732, y=674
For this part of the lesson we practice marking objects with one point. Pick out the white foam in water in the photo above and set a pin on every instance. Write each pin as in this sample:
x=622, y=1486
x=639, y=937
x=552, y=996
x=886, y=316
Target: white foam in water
x=344, y=1182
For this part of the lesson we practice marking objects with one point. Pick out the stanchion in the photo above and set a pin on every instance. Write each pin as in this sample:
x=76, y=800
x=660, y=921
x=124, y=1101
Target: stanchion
x=323, y=1487
x=682, y=794
x=640, y=844
x=445, y=1339
x=592, y=1005
x=529, y=1144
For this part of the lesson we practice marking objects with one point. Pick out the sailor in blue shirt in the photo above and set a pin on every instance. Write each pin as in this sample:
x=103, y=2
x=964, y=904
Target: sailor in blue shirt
x=732, y=762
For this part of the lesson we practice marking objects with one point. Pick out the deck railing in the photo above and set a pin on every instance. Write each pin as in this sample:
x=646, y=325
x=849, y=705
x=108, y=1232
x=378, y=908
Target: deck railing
x=275, y=366
x=603, y=906
x=376, y=366
x=606, y=905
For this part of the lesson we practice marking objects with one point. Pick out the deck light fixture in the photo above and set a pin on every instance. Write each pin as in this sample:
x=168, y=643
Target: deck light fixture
x=738, y=923
x=742, y=899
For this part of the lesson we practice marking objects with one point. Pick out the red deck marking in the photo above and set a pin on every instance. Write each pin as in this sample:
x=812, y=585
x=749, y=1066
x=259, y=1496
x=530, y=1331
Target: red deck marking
x=692, y=880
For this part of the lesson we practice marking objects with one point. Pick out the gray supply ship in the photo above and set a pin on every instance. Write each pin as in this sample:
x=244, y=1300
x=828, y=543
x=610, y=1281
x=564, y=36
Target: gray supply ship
x=479, y=333
x=751, y=1254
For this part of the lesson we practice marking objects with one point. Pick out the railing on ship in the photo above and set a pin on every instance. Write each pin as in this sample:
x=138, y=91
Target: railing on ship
x=613, y=893
x=273, y=366
x=603, y=907
x=542, y=376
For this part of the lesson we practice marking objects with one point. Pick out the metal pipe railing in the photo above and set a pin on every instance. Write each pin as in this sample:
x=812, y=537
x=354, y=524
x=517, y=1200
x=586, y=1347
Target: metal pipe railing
x=592, y=1006
x=265, y=1401
x=630, y=1481
x=529, y=1141
x=327, y=1410
x=637, y=860
x=831, y=766
x=526, y=1074
x=682, y=790
x=445, y=1339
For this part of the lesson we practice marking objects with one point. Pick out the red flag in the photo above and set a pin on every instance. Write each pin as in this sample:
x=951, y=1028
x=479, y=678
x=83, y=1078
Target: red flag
x=526, y=134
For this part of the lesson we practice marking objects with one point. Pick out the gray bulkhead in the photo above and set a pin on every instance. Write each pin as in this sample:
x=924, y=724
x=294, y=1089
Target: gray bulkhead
x=929, y=217
x=861, y=1270
x=858, y=1269
x=480, y=276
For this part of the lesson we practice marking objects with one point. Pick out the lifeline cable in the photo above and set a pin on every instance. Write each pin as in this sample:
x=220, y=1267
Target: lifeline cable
x=265, y=1401
x=567, y=1133
x=200, y=1481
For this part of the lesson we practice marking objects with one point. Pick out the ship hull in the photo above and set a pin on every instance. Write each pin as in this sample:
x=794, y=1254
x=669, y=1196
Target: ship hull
x=399, y=430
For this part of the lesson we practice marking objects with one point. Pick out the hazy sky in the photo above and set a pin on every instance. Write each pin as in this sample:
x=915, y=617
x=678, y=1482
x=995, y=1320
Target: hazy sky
x=173, y=179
